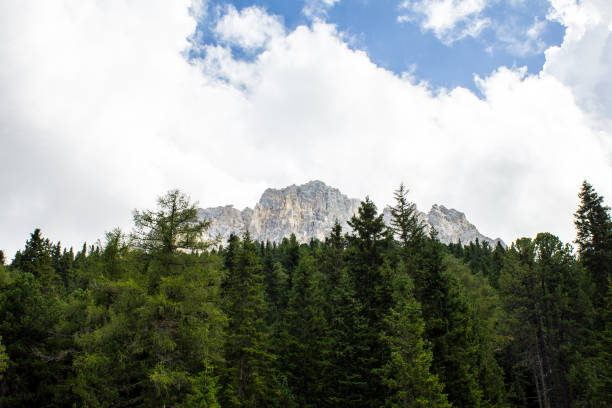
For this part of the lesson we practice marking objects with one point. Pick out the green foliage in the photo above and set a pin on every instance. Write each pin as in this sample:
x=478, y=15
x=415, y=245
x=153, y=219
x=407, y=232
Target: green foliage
x=407, y=373
x=36, y=259
x=204, y=389
x=382, y=316
x=26, y=315
x=543, y=291
x=594, y=239
x=452, y=328
x=406, y=225
x=175, y=226
x=3, y=359
x=370, y=271
x=602, y=367
x=304, y=336
x=248, y=378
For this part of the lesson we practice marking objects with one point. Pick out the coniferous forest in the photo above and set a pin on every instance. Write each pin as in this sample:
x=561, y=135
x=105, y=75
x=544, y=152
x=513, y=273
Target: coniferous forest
x=376, y=316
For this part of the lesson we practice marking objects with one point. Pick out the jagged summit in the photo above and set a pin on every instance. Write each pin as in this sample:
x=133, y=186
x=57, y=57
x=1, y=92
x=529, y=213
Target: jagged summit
x=453, y=226
x=310, y=211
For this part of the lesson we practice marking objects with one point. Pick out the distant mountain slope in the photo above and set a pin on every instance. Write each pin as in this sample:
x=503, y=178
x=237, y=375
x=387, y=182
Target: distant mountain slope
x=310, y=211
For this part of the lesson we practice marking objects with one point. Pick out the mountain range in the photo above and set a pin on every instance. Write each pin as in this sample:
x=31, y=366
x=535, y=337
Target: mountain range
x=310, y=211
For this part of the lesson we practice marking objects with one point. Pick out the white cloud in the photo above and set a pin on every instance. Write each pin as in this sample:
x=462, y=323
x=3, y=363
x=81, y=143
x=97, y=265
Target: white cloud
x=519, y=41
x=251, y=28
x=584, y=60
x=450, y=20
x=317, y=8
x=454, y=20
x=100, y=112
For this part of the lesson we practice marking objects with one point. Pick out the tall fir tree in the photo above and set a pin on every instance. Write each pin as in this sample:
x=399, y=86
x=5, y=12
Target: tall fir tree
x=545, y=297
x=249, y=379
x=407, y=373
x=304, y=337
x=366, y=262
x=406, y=225
x=594, y=239
x=36, y=259
x=450, y=326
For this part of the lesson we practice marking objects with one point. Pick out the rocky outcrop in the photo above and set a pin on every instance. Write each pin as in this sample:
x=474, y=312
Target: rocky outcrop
x=452, y=226
x=310, y=211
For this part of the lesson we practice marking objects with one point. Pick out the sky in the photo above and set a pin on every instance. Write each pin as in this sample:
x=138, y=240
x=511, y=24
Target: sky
x=498, y=108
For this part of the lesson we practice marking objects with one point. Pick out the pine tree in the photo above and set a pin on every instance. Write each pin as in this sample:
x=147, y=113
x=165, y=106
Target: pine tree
x=366, y=252
x=406, y=225
x=36, y=259
x=26, y=315
x=289, y=249
x=304, y=339
x=248, y=379
x=544, y=295
x=603, y=362
x=594, y=240
x=204, y=389
x=346, y=325
x=4, y=360
x=276, y=284
x=450, y=326
x=407, y=374
x=367, y=264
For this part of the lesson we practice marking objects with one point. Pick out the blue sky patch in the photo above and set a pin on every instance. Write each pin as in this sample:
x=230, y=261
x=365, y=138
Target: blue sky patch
x=515, y=34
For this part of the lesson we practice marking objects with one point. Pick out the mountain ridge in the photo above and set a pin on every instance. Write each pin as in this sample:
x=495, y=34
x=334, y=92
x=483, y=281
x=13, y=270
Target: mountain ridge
x=310, y=211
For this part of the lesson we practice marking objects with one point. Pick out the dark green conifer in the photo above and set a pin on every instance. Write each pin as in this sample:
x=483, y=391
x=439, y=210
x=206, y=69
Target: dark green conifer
x=249, y=379
x=594, y=239
x=407, y=373
x=367, y=264
x=304, y=336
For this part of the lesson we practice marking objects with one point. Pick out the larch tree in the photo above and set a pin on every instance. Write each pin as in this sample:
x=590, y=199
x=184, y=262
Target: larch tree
x=173, y=227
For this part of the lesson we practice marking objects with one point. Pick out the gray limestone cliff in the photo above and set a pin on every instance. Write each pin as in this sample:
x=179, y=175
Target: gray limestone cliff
x=451, y=226
x=310, y=211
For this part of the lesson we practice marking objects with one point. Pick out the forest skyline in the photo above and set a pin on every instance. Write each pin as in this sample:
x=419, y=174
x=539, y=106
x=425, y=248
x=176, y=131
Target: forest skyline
x=498, y=109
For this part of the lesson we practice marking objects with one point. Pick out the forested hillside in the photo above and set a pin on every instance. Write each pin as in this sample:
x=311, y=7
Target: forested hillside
x=376, y=316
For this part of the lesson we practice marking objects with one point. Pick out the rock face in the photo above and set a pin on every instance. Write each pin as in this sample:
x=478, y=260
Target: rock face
x=310, y=211
x=453, y=226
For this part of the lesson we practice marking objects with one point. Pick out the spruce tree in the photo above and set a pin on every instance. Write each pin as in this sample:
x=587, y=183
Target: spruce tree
x=366, y=258
x=4, y=360
x=26, y=316
x=36, y=259
x=407, y=374
x=248, y=379
x=450, y=326
x=602, y=395
x=594, y=239
x=305, y=345
x=545, y=297
x=406, y=225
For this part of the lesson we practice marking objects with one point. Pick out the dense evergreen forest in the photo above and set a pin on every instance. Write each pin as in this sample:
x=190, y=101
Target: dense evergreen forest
x=378, y=316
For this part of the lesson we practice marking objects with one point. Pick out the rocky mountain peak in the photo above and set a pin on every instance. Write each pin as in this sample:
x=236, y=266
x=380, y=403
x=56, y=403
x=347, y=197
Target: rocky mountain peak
x=453, y=226
x=310, y=211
